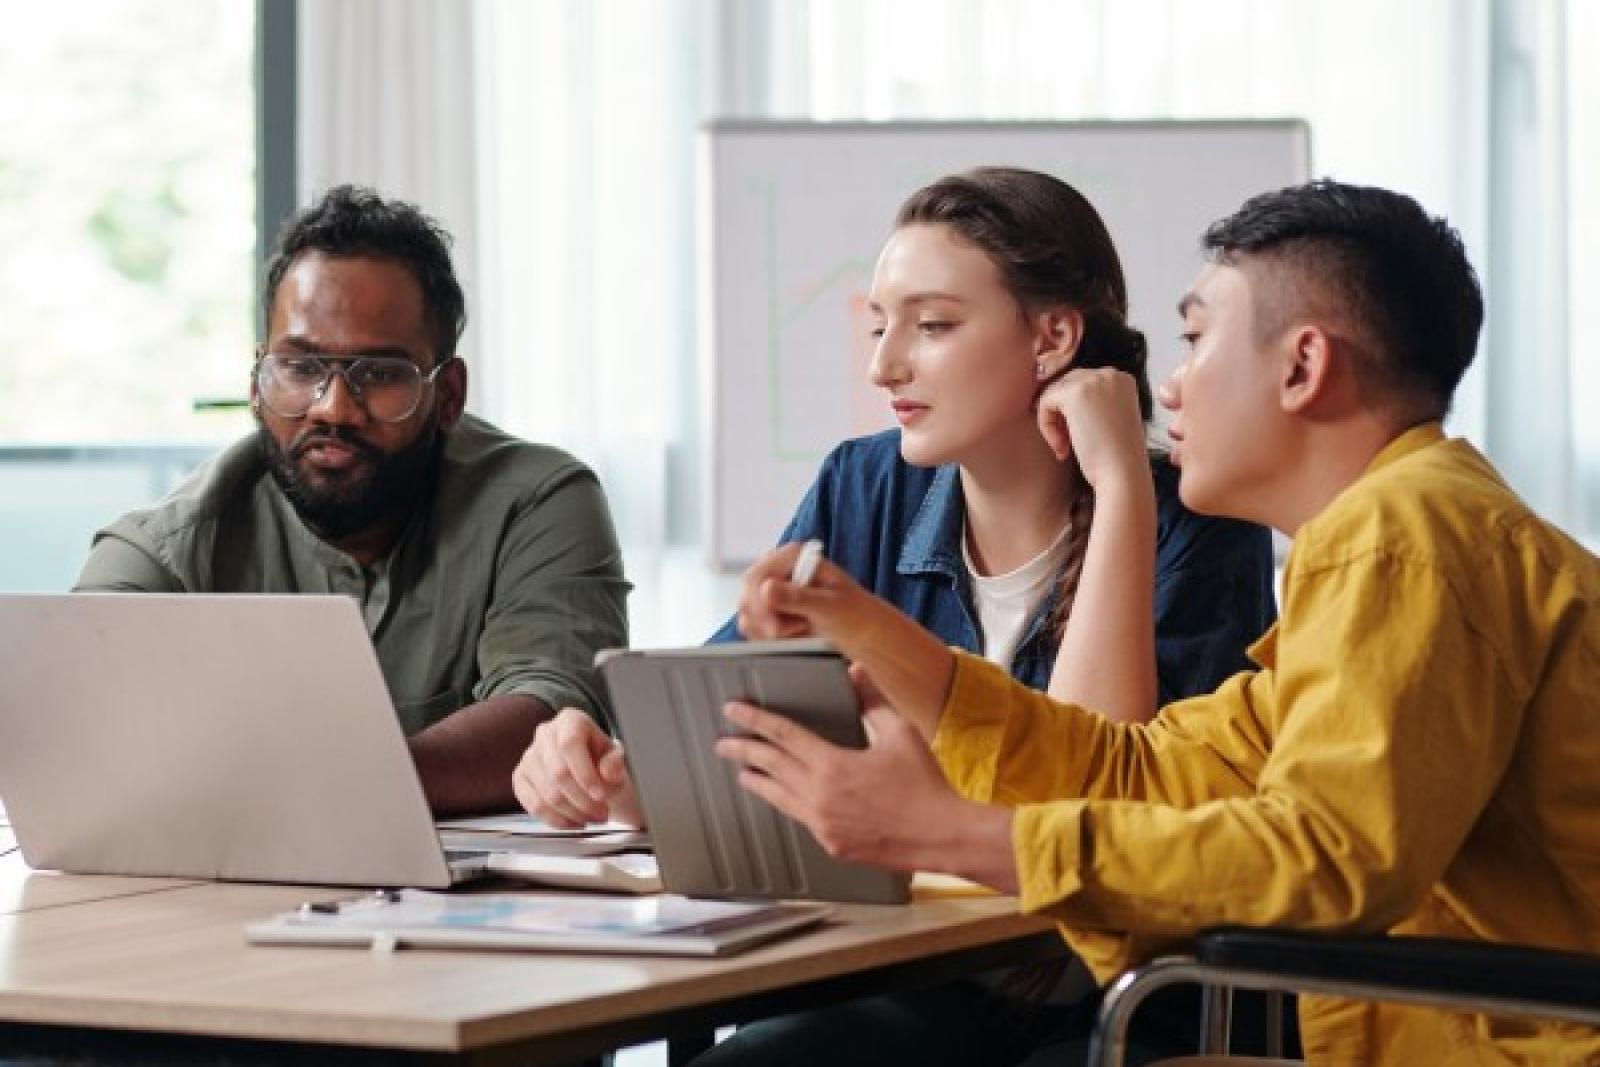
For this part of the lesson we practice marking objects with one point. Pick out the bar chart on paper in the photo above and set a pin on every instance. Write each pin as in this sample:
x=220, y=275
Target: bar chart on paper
x=793, y=216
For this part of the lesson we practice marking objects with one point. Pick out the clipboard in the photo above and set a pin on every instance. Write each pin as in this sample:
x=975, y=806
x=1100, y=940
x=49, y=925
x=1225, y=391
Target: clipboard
x=712, y=837
x=542, y=922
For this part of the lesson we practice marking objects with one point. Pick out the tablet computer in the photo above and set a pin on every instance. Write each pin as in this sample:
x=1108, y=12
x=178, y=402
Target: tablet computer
x=712, y=837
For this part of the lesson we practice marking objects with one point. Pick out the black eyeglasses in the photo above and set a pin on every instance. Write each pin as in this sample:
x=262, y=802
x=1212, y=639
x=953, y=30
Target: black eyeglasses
x=389, y=388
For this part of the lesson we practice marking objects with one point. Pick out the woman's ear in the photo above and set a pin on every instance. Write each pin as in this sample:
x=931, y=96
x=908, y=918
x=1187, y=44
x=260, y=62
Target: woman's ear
x=1058, y=334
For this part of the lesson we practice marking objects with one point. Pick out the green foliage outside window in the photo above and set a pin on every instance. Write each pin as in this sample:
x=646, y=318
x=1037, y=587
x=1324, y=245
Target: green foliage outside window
x=127, y=232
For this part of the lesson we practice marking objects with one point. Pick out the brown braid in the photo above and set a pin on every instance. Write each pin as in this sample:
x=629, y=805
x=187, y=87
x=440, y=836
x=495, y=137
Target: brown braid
x=1080, y=516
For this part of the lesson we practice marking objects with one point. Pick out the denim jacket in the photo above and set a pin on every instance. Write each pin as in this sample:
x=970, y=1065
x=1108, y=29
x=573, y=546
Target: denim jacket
x=897, y=530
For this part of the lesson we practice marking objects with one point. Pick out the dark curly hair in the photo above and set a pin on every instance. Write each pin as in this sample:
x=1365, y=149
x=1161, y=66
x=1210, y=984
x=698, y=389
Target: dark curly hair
x=351, y=220
x=1401, y=274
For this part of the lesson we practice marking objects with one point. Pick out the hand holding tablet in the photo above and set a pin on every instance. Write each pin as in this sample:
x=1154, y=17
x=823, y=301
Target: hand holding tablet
x=712, y=837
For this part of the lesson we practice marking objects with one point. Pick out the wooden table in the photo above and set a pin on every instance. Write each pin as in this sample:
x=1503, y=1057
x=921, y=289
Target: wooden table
x=149, y=971
x=24, y=890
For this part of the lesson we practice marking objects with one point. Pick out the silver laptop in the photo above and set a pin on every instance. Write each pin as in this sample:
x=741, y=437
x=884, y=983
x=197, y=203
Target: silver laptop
x=245, y=738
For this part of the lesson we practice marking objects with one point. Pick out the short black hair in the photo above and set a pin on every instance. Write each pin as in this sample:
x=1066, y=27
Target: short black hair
x=351, y=220
x=1402, y=273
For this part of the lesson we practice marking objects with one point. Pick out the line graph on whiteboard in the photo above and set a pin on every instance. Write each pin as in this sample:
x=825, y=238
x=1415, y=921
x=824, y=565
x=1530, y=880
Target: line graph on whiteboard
x=818, y=345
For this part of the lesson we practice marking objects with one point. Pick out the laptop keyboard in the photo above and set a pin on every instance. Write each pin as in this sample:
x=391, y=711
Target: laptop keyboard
x=464, y=855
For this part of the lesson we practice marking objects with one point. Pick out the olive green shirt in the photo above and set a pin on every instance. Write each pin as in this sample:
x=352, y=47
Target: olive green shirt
x=508, y=580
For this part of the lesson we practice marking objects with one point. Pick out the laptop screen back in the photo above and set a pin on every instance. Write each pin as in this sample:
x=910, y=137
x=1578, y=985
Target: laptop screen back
x=246, y=738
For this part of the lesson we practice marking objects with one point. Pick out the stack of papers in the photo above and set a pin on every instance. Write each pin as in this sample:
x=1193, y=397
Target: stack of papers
x=605, y=857
x=662, y=925
x=524, y=833
x=528, y=826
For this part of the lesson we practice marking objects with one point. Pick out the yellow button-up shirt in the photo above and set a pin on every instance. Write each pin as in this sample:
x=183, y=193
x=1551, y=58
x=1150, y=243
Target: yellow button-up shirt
x=1419, y=752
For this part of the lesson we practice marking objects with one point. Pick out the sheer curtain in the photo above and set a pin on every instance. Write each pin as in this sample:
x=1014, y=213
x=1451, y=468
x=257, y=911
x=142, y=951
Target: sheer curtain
x=554, y=139
x=1582, y=37
x=588, y=189
x=386, y=99
x=1393, y=93
x=1484, y=110
x=557, y=138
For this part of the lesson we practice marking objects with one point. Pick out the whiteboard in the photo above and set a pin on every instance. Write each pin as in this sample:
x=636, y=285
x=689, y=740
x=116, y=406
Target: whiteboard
x=793, y=215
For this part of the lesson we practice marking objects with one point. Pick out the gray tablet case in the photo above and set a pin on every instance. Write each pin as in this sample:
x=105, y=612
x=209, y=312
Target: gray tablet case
x=712, y=837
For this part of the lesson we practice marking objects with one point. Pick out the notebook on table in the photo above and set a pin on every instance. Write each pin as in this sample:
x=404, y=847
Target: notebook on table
x=661, y=925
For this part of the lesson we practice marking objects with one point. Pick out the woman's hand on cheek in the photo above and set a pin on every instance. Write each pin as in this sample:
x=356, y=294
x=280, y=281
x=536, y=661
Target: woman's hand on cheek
x=1093, y=414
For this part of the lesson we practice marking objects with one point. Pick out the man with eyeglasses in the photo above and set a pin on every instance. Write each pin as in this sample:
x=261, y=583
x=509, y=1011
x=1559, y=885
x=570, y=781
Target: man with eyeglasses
x=487, y=567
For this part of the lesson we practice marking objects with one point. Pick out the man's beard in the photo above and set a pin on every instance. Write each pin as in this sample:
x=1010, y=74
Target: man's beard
x=337, y=508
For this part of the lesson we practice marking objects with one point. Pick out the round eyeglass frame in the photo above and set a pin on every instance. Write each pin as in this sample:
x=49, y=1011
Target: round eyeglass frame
x=341, y=366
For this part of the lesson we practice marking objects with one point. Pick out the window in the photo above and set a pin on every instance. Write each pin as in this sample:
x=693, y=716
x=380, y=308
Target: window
x=127, y=237
x=127, y=208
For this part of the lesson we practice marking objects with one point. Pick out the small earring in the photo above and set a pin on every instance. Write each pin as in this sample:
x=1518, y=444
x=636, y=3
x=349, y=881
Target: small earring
x=1039, y=371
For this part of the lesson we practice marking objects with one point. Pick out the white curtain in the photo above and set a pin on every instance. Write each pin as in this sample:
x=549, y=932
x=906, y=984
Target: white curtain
x=588, y=186
x=1536, y=376
x=1582, y=41
x=557, y=139
x=386, y=98
x=1484, y=110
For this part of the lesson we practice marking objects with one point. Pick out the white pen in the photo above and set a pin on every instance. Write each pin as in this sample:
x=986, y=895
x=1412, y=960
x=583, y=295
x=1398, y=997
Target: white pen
x=805, y=564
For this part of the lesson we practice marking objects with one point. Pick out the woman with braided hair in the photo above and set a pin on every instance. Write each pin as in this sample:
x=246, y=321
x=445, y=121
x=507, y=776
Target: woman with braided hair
x=1017, y=511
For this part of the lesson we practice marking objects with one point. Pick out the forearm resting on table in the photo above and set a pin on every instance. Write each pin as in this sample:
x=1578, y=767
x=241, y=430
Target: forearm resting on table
x=465, y=760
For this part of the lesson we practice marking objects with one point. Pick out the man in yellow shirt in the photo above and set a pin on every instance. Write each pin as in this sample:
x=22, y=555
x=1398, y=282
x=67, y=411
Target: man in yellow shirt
x=1417, y=751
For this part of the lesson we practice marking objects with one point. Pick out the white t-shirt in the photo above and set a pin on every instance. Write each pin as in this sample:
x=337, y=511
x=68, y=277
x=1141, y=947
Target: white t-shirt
x=1006, y=602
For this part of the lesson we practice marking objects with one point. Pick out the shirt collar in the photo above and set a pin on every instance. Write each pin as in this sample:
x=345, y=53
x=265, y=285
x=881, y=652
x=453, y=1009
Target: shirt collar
x=933, y=540
x=1415, y=439
x=1407, y=443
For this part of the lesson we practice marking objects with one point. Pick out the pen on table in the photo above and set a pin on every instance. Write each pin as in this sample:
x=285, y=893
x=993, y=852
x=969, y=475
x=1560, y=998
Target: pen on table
x=334, y=907
x=805, y=564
